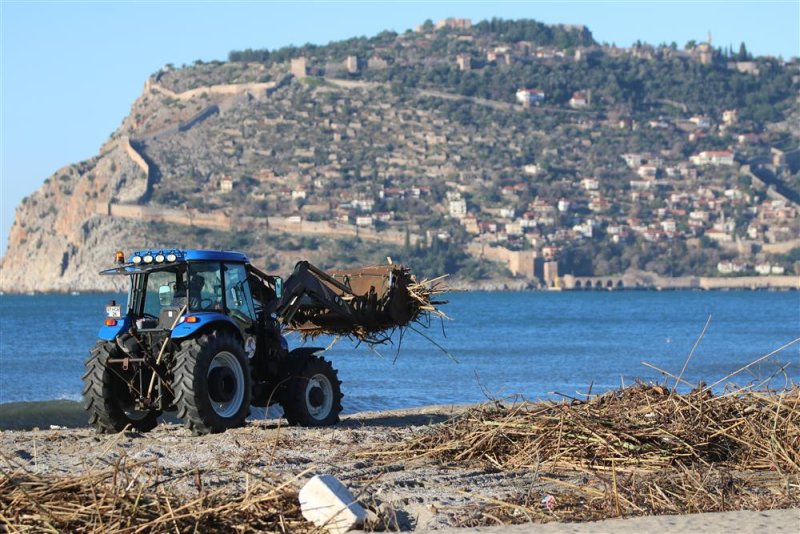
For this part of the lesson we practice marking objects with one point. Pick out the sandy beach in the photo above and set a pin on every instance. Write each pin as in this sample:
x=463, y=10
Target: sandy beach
x=418, y=495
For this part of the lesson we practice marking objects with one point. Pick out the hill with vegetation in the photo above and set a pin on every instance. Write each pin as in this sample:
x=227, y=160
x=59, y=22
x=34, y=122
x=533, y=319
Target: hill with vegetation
x=507, y=153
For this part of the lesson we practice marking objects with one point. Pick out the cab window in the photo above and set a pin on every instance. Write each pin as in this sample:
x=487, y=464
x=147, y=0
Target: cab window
x=237, y=293
x=205, y=287
x=164, y=288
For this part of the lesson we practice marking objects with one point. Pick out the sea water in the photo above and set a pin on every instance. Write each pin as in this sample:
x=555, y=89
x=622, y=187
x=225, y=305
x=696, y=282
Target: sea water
x=494, y=345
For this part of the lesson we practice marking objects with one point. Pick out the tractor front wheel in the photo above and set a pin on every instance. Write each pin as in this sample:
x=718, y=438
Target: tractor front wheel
x=314, y=397
x=212, y=383
x=107, y=396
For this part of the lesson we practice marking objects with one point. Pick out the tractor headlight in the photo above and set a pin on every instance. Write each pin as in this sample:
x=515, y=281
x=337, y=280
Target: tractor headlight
x=159, y=258
x=148, y=259
x=137, y=260
x=171, y=257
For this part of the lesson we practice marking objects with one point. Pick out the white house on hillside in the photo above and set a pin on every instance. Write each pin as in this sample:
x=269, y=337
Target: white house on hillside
x=528, y=97
x=579, y=100
x=713, y=157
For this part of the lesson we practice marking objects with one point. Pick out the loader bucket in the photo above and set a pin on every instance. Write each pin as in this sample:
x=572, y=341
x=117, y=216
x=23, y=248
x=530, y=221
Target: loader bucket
x=365, y=303
x=389, y=283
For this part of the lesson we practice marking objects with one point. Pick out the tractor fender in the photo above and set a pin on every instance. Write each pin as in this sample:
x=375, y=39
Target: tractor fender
x=205, y=322
x=300, y=355
x=109, y=333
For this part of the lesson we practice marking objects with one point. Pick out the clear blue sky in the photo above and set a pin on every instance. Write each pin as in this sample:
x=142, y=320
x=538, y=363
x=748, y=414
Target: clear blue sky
x=70, y=70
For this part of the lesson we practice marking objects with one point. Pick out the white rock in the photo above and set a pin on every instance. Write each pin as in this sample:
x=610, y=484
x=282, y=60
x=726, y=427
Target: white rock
x=328, y=504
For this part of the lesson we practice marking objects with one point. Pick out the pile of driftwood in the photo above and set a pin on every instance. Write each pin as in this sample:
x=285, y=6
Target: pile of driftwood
x=640, y=450
x=123, y=499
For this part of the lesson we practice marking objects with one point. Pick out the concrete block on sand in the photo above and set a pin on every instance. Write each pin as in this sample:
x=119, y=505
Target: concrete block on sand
x=327, y=503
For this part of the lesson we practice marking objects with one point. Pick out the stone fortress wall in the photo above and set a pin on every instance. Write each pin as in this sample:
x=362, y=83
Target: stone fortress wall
x=134, y=155
x=218, y=90
x=221, y=220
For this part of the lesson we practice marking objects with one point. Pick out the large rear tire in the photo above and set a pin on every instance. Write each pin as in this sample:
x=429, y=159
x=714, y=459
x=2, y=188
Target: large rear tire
x=212, y=383
x=107, y=397
x=314, y=396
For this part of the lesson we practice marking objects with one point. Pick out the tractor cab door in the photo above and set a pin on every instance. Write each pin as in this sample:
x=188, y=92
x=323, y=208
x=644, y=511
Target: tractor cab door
x=272, y=346
x=238, y=297
x=240, y=306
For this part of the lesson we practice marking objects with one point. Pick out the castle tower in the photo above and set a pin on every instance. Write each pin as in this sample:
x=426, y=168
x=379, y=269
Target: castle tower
x=298, y=67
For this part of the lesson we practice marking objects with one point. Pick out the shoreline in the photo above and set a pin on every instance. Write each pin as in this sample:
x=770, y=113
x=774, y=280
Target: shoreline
x=69, y=414
x=501, y=287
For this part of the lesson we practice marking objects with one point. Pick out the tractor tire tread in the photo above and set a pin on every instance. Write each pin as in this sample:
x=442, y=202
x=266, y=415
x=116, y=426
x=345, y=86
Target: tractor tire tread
x=200, y=417
x=98, y=394
x=294, y=410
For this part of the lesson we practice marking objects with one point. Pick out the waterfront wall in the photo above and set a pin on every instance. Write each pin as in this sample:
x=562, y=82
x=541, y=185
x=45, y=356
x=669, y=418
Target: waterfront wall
x=644, y=280
x=519, y=262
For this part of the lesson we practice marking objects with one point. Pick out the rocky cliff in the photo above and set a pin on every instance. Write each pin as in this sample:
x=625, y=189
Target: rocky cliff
x=61, y=236
x=65, y=233
x=69, y=229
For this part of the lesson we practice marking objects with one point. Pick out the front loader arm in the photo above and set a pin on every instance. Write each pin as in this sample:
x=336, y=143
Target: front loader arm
x=364, y=302
x=305, y=291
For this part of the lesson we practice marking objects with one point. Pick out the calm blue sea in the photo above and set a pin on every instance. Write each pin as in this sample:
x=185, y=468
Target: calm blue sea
x=533, y=344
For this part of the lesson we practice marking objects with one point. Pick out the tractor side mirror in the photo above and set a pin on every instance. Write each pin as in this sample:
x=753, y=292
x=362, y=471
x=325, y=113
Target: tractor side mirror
x=165, y=295
x=278, y=287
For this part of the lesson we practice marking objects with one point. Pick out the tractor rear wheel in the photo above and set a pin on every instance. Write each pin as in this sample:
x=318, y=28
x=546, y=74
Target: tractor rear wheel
x=314, y=396
x=212, y=383
x=108, y=398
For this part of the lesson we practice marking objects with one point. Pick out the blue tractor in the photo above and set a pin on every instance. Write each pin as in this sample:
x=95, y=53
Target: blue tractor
x=201, y=335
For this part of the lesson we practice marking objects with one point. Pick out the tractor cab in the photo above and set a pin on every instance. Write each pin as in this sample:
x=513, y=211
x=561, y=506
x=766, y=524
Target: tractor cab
x=182, y=291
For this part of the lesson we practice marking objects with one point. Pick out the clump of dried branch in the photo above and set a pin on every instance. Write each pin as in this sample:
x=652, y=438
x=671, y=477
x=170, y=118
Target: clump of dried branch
x=125, y=498
x=635, y=451
x=424, y=295
x=380, y=299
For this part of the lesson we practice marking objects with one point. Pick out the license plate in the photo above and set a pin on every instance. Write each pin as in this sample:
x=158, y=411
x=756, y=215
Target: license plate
x=114, y=311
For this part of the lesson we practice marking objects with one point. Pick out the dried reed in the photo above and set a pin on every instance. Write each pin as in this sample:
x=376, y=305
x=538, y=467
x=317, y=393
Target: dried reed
x=125, y=498
x=634, y=451
x=673, y=491
x=642, y=426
